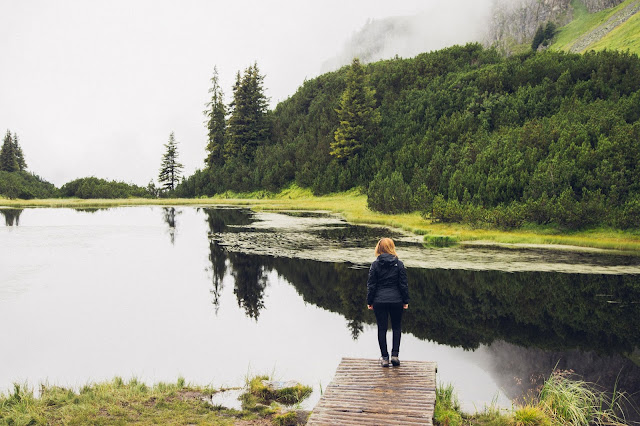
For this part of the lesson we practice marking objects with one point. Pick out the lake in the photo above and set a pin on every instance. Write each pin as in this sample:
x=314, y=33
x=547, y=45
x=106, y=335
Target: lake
x=218, y=294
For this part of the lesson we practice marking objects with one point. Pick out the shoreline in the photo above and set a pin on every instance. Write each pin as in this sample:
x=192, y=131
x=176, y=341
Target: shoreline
x=352, y=206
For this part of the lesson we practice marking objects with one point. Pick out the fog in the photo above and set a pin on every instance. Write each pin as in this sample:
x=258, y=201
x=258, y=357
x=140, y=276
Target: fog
x=95, y=88
x=440, y=24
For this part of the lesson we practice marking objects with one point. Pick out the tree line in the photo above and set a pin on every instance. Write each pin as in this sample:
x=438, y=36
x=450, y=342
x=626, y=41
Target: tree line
x=462, y=134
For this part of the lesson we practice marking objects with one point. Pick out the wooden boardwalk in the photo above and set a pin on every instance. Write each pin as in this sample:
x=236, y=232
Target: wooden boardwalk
x=364, y=393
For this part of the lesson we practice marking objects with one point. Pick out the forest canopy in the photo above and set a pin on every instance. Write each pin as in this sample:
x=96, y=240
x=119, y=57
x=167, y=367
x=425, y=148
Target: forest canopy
x=465, y=135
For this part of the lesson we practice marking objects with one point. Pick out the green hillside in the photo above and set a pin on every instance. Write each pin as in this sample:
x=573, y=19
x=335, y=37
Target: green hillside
x=466, y=135
x=624, y=36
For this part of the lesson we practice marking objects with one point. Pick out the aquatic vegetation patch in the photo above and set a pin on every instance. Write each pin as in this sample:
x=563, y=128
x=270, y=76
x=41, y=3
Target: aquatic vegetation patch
x=440, y=240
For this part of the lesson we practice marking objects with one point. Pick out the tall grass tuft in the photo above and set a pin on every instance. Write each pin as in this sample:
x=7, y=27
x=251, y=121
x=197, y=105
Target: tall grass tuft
x=447, y=409
x=575, y=402
x=530, y=415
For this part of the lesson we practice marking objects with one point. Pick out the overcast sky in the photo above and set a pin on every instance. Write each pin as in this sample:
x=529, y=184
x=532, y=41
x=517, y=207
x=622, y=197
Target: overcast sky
x=93, y=88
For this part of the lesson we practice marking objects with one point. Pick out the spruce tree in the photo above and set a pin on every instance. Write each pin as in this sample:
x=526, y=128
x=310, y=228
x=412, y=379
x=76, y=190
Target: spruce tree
x=216, y=124
x=8, y=160
x=22, y=164
x=357, y=115
x=248, y=125
x=170, y=168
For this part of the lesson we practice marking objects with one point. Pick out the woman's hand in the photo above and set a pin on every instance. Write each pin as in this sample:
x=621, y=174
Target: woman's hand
x=370, y=307
x=405, y=306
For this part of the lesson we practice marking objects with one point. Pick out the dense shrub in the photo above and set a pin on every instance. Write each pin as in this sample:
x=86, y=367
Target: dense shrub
x=25, y=185
x=92, y=187
x=389, y=194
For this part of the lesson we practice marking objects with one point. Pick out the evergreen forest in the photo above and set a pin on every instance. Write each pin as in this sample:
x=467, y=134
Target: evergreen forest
x=463, y=134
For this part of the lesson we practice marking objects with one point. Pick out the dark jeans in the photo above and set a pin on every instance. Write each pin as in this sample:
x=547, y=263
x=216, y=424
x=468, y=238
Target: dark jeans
x=383, y=311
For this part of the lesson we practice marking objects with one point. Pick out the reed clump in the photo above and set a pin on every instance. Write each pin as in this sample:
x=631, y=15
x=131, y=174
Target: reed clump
x=563, y=399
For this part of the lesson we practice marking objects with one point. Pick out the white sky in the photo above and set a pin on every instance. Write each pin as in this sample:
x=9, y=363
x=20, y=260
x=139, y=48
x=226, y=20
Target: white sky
x=93, y=88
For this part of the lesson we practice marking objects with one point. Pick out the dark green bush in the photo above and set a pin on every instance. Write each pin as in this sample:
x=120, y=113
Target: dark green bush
x=25, y=185
x=92, y=187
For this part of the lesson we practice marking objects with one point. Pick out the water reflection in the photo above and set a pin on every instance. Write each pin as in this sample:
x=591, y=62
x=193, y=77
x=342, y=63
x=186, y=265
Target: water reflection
x=249, y=276
x=91, y=209
x=11, y=216
x=525, y=322
x=169, y=215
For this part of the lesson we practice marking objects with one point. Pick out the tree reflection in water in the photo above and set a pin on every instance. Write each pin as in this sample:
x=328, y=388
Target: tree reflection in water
x=11, y=216
x=524, y=318
x=169, y=215
x=250, y=279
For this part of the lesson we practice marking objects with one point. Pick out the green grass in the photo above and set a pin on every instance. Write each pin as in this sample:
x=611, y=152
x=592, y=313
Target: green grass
x=575, y=402
x=352, y=205
x=562, y=400
x=624, y=37
x=120, y=402
x=530, y=415
x=583, y=22
x=447, y=409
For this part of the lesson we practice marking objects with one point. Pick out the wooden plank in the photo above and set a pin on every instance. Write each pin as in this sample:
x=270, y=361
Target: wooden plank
x=363, y=392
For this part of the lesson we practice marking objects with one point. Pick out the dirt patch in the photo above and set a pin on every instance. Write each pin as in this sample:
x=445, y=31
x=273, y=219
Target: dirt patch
x=190, y=395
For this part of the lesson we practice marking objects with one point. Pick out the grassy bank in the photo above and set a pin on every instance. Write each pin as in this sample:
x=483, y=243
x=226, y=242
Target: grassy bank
x=561, y=400
x=352, y=205
x=119, y=402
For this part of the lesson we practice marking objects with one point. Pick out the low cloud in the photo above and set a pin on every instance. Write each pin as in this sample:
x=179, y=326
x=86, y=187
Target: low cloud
x=441, y=25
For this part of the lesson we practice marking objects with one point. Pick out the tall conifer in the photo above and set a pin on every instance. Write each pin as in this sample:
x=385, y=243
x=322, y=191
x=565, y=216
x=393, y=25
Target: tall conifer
x=216, y=124
x=248, y=125
x=357, y=115
x=22, y=164
x=170, y=168
x=8, y=160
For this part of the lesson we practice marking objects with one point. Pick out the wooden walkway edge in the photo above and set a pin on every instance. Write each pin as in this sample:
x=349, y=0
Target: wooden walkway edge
x=364, y=393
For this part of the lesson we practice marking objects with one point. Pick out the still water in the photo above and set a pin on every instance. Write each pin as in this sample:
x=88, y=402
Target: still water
x=217, y=294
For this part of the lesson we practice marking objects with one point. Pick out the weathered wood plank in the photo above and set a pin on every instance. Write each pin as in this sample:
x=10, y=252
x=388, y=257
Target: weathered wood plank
x=363, y=392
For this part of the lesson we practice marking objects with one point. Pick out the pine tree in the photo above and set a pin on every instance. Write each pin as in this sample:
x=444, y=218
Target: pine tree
x=248, y=125
x=357, y=114
x=171, y=168
x=22, y=164
x=216, y=124
x=8, y=160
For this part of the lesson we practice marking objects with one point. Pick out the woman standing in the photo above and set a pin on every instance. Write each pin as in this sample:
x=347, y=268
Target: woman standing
x=388, y=296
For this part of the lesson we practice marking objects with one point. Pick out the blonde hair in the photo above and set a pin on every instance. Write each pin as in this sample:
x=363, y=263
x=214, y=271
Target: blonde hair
x=385, y=245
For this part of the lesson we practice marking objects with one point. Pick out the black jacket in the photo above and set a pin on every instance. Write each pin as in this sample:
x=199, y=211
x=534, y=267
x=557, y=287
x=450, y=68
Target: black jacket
x=387, y=281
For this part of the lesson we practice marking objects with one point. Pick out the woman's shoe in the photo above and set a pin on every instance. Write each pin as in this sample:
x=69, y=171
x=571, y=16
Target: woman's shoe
x=384, y=361
x=395, y=361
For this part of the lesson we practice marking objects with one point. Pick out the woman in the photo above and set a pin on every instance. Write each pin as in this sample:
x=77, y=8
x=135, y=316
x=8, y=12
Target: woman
x=388, y=296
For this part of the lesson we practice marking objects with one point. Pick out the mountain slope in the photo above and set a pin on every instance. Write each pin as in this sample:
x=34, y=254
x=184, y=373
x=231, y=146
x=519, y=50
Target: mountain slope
x=616, y=28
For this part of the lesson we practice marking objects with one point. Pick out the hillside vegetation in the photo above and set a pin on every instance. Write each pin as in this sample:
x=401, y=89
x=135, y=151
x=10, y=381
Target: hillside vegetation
x=467, y=135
